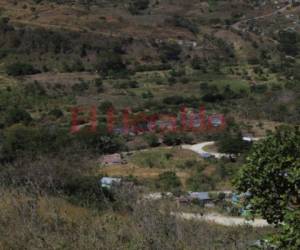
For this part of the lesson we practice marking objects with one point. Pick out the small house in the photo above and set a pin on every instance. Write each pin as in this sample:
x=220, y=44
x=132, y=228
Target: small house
x=108, y=182
x=203, y=197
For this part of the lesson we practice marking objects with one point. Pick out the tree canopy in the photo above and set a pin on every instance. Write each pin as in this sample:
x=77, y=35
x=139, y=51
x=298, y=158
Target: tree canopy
x=272, y=176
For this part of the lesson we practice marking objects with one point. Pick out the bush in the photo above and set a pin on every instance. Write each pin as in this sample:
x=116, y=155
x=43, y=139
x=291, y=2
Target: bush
x=84, y=190
x=57, y=113
x=152, y=140
x=19, y=139
x=99, y=85
x=233, y=143
x=173, y=100
x=172, y=139
x=128, y=84
x=289, y=42
x=168, y=181
x=17, y=115
x=135, y=6
x=260, y=89
x=170, y=52
x=183, y=22
x=201, y=183
x=105, y=106
x=210, y=97
x=80, y=87
x=19, y=69
x=110, y=63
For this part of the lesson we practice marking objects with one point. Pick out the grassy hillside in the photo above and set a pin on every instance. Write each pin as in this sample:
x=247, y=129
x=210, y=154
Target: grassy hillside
x=238, y=58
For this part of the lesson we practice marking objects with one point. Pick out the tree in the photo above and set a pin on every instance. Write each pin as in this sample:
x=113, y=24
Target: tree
x=232, y=143
x=19, y=69
x=170, y=51
x=168, y=181
x=289, y=42
x=18, y=139
x=272, y=177
x=152, y=140
x=17, y=115
x=135, y=6
x=99, y=85
x=110, y=63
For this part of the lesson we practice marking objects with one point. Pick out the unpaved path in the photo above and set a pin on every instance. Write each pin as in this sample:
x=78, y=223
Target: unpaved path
x=236, y=25
x=199, y=149
x=222, y=220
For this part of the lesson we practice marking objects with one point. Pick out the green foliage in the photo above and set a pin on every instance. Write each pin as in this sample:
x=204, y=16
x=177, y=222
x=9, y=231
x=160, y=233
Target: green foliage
x=19, y=69
x=168, y=181
x=57, y=113
x=232, y=143
x=17, y=115
x=99, y=85
x=136, y=6
x=183, y=22
x=20, y=140
x=110, y=63
x=200, y=182
x=99, y=142
x=105, y=106
x=272, y=176
x=84, y=190
x=152, y=140
x=172, y=139
x=170, y=52
x=289, y=42
x=260, y=88
x=128, y=84
x=81, y=87
x=199, y=63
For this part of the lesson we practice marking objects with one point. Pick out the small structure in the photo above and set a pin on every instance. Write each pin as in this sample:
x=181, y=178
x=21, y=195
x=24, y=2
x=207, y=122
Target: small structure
x=203, y=197
x=205, y=155
x=111, y=159
x=108, y=182
x=250, y=138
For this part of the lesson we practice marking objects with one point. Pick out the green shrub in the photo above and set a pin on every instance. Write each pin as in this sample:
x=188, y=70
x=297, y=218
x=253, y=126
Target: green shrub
x=110, y=63
x=57, y=113
x=168, y=181
x=200, y=182
x=170, y=52
x=152, y=140
x=183, y=22
x=136, y=6
x=17, y=115
x=19, y=69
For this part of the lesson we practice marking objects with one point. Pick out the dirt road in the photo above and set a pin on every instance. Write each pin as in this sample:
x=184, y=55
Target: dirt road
x=199, y=149
x=236, y=25
x=222, y=220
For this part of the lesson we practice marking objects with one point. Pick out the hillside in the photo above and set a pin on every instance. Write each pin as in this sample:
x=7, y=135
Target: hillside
x=166, y=100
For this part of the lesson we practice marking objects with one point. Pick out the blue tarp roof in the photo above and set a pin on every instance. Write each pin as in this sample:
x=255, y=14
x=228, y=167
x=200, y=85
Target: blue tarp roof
x=200, y=195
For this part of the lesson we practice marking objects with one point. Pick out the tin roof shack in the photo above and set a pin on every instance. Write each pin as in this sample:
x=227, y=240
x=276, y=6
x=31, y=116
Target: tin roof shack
x=108, y=182
x=202, y=198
